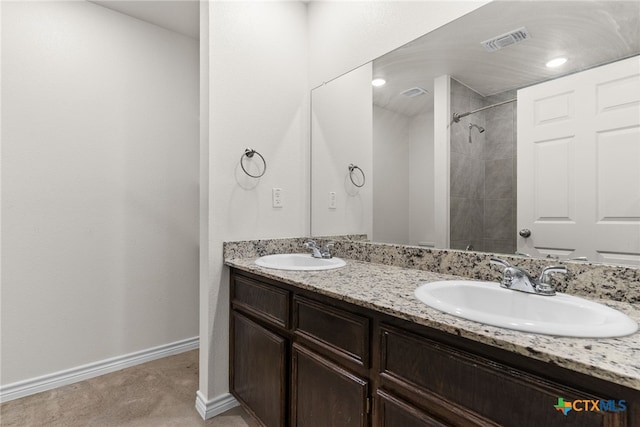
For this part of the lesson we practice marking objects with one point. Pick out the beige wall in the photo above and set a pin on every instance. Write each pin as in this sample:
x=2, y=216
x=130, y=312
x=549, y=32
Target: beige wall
x=403, y=165
x=391, y=156
x=99, y=187
x=257, y=98
x=421, y=190
x=341, y=131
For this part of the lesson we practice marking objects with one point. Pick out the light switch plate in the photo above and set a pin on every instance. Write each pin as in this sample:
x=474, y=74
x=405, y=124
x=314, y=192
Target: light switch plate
x=276, y=197
x=332, y=199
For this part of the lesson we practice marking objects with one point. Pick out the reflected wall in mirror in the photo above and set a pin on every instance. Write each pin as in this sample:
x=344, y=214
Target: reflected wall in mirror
x=543, y=163
x=341, y=132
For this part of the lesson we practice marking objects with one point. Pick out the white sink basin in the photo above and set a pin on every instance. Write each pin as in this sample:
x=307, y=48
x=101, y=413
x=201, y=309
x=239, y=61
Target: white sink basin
x=299, y=262
x=561, y=314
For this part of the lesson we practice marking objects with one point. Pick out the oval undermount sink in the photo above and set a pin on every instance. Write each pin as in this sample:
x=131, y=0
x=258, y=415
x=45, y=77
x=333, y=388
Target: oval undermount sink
x=299, y=262
x=560, y=315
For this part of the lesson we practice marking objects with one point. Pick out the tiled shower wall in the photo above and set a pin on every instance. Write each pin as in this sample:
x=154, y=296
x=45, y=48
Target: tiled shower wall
x=500, y=175
x=467, y=171
x=483, y=173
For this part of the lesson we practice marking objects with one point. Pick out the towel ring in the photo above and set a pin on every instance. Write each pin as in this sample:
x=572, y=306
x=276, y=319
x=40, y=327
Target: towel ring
x=353, y=167
x=249, y=152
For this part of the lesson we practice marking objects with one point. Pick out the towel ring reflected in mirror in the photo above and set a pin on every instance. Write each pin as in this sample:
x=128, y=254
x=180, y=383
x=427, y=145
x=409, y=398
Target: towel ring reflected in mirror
x=249, y=153
x=353, y=168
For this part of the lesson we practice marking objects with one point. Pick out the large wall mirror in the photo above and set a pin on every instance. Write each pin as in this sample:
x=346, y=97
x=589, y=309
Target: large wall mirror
x=476, y=142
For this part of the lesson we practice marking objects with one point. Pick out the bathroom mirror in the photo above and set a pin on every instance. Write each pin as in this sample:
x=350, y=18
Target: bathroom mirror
x=420, y=192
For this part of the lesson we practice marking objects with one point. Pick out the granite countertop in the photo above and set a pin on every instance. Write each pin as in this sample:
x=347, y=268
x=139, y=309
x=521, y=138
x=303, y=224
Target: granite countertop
x=389, y=289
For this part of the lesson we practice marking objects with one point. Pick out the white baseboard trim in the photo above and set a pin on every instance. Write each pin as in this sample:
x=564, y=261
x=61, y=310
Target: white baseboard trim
x=91, y=370
x=211, y=408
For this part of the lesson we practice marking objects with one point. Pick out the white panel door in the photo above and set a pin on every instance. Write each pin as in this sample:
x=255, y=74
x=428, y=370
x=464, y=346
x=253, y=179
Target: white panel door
x=579, y=165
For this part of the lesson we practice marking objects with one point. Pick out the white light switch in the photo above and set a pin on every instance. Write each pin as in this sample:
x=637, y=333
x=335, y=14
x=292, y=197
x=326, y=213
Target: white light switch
x=332, y=199
x=276, y=197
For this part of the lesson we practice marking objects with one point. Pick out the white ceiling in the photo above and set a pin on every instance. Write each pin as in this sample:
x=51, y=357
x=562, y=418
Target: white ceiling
x=589, y=33
x=181, y=16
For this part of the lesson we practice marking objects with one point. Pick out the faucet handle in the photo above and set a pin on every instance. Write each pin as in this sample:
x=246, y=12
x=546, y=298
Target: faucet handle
x=316, y=252
x=544, y=276
x=500, y=262
x=326, y=252
x=543, y=286
x=508, y=273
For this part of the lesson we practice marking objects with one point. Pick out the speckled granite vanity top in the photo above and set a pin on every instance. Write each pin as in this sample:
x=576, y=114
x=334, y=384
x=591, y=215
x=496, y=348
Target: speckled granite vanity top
x=389, y=289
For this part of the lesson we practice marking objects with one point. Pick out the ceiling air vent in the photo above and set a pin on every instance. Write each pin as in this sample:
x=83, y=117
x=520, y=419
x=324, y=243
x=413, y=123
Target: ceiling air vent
x=414, y=91
x=504, y=40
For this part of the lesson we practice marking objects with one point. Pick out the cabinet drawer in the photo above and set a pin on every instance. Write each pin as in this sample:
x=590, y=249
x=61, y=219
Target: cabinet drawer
x=428, y=371
x=343, y=334
x=261, y=300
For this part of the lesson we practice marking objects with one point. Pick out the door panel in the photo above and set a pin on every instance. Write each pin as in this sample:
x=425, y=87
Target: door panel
x=324, y=394
x=259, y=370
x=579, y=165
x=392, y=411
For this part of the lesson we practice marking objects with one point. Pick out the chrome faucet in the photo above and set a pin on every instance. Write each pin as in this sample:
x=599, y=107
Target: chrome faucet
x=522, y=254
x=319, y=252
x=518, y=279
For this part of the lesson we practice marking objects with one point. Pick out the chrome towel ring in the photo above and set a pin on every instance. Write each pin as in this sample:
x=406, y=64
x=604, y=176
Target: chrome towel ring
x=249, y=152
x=352, y=168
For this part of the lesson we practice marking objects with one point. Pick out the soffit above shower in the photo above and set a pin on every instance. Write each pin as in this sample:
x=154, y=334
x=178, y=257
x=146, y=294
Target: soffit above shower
x=590, y=33
x=181, y=16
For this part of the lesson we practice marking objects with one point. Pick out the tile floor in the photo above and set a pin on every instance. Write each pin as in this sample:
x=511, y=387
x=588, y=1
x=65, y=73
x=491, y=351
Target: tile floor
x=159, y=393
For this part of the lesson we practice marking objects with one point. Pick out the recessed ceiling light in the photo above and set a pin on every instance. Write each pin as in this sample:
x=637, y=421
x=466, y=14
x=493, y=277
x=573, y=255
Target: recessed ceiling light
x=378, y=82
x=556, y=62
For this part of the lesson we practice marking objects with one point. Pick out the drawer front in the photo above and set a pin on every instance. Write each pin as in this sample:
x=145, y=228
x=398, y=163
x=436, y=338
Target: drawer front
x=416, y=366
x=261, y=300
x=344, y=334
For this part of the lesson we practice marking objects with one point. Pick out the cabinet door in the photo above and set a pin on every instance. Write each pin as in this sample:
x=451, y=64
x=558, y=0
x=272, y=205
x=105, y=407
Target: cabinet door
x=324, y=394
x=259, y=370
x=393, y=412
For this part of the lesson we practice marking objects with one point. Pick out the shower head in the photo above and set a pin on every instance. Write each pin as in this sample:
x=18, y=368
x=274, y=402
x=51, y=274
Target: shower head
x=471, y=126
x=480, y=128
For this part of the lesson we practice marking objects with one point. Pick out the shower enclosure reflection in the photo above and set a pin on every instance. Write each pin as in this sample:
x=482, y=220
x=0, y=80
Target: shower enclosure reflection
x=483, y=174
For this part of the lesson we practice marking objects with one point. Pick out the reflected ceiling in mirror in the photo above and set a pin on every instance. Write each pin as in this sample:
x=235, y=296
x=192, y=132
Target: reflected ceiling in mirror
x=586, y=33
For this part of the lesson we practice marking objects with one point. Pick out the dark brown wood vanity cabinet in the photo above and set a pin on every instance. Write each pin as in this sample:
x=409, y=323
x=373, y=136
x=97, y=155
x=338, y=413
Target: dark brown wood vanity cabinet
x=306, y=360
x=329, y=366
x=259, y=350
